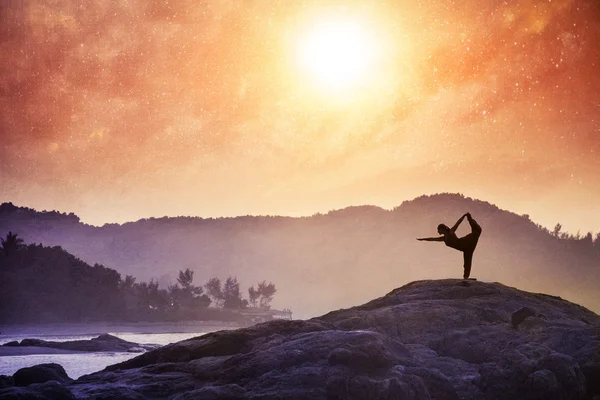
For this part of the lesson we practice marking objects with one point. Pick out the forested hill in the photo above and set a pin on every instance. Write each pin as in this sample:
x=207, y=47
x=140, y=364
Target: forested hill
x=330, y=260
x=44, y=284
x=40, y=284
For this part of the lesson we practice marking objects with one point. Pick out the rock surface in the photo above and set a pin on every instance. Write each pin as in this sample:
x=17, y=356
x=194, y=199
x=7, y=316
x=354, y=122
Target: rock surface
x=426, y=340
x=104, y=342
x=40, y=374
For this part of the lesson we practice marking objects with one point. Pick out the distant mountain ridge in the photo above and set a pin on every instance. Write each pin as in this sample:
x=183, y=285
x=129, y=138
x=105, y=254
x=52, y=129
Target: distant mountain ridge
x=328, y=260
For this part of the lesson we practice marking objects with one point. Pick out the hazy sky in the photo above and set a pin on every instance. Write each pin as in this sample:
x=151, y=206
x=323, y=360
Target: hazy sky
x=123, y=109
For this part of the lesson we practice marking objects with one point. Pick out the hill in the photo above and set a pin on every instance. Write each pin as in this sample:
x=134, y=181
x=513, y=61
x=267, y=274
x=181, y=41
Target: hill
x=47, y=284
x=41, y=284
x=329, y=260
x=426, y=340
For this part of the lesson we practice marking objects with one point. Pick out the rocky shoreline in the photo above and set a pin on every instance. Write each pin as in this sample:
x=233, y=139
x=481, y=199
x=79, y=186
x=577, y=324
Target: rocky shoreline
x=102, y=343
x=98, y=328
x=426, y=340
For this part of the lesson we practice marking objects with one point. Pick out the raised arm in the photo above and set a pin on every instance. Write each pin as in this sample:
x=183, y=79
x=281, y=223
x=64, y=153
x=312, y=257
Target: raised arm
x=432, y=239
x=455, y=227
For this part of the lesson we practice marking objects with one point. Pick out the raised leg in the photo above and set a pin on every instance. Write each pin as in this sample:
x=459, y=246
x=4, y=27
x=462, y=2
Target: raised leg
x=475, y=228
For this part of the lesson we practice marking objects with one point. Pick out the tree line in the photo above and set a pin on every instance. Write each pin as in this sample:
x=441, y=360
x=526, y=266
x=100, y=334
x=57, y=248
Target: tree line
x=187, y=300
x=47, y=284
x=558, y=232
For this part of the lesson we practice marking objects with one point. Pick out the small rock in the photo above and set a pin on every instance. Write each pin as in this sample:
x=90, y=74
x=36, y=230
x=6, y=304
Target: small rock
x=520, y=315
x=541, y=385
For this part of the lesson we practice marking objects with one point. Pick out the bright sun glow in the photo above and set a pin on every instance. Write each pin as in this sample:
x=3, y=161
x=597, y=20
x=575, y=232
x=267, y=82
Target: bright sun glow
x=337, y=52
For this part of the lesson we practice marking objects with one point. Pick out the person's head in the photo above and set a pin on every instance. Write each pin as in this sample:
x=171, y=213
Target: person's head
x=443, y=229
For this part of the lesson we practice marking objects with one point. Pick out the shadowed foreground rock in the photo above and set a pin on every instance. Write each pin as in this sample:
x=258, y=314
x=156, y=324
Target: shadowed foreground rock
x=427, y=340
x=39, y=374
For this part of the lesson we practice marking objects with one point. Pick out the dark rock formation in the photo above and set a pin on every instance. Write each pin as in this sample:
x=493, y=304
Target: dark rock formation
x=39, y=374
x=427, y=340
x=39, y=391
x=6, y=381
x=104, y=342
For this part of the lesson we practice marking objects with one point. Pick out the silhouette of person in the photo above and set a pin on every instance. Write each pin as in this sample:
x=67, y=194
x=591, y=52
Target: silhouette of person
x=466, y=244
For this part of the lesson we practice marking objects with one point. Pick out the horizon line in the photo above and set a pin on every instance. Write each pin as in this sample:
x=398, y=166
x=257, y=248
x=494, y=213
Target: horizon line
x=292, y=215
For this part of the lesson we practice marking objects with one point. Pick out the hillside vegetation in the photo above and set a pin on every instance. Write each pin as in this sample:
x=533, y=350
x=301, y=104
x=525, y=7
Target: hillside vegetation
x=41, y=284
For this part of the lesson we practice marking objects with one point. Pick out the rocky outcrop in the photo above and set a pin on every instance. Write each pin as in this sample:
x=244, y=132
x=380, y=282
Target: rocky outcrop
x=40, y=374
x=44, y=381
x=104, y=342
x=426, y=340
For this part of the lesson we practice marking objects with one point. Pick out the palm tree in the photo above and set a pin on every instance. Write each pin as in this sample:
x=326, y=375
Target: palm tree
x=128, y=282
x=11, y=244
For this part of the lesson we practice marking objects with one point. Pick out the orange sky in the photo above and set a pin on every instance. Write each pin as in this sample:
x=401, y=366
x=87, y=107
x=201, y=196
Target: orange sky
x=118, y=110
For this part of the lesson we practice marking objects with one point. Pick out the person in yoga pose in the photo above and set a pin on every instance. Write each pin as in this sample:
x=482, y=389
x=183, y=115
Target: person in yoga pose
x=466, y=244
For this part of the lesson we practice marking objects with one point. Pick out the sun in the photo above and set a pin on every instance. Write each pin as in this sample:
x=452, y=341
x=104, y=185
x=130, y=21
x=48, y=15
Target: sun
x=338, y=53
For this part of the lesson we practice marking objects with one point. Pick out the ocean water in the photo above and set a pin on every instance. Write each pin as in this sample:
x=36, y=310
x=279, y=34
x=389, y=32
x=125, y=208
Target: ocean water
x=78, y=364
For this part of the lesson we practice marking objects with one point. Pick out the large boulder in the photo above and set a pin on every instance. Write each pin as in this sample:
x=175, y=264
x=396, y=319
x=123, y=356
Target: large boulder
x=39, y=374
x=427, y=340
